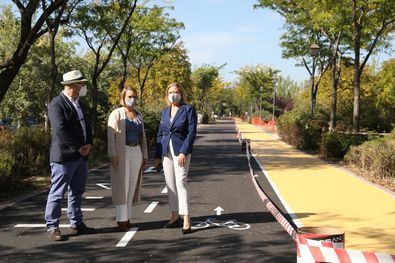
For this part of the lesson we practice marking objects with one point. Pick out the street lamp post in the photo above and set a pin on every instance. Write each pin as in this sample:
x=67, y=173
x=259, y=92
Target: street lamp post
x=314, y=49
x=260, y=106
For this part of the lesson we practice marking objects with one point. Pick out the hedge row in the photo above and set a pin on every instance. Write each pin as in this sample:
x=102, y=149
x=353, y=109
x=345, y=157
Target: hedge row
x=372, y=153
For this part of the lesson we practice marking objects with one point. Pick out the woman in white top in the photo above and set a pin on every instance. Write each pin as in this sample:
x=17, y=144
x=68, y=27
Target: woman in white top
x=127, y=149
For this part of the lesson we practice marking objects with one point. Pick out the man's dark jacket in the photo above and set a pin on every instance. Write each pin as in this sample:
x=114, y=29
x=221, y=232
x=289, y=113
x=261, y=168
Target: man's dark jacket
x=67, y=133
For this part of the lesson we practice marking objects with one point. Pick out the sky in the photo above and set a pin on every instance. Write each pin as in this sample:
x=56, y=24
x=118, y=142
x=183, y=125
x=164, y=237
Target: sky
x=233, y=32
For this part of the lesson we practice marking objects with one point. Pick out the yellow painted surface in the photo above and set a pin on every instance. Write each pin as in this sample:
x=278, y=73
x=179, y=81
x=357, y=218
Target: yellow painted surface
x=322, y=195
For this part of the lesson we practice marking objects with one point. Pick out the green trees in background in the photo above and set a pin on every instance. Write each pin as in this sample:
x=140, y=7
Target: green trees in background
x=347, y=30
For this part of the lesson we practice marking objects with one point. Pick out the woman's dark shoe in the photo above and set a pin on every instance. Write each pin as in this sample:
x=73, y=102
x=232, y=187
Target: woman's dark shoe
x=122, y=226
x=128, y=224
x=186, y=231
x=175, y=224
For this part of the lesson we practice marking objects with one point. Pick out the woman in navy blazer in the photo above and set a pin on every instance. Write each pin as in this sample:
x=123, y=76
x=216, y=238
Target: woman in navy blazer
x=176, y=135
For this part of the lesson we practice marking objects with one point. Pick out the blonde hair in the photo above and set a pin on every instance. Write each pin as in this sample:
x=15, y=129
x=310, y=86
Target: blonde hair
x=177, y=85
x=123, y=94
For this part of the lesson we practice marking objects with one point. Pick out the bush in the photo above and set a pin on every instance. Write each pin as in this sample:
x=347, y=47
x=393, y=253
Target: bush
x=31, y=150
x=376, y=157
x=335, y=145
x=6, y=164
x=302, y=130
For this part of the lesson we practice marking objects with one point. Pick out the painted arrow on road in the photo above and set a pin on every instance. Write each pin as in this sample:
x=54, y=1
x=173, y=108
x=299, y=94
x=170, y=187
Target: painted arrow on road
x=219, y=210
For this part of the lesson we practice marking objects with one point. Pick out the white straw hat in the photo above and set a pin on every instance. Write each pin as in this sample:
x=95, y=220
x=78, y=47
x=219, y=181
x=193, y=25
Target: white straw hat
x=71, y=77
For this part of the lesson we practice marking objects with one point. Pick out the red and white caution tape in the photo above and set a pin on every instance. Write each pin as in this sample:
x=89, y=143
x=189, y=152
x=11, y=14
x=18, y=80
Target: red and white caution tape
x=309, y=250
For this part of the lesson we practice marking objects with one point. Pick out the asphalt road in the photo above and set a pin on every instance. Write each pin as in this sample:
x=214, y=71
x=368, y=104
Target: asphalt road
x=219, y=177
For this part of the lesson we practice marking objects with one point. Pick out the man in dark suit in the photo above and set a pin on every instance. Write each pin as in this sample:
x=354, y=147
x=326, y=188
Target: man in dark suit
x=70, y=147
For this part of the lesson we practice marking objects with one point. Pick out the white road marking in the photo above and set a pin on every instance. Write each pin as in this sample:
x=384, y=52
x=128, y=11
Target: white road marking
x=94, y=197
x=219, y=210
x=164, y=191
x=127, y=237
x=151, y=169
x=151, y=207
x=82, y=209
x=104, y=185
x=38, y=225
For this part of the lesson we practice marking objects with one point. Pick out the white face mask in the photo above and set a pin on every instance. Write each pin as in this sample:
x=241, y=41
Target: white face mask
x=83, y=91
x=130, y=102
x=174, y=98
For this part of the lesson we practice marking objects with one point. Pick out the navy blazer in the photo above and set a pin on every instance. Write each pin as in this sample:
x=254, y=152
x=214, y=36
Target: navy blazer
x=66, y=130
x=181, y=131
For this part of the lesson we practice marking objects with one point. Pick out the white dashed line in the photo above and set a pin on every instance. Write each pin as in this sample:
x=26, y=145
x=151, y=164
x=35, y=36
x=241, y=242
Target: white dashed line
x=104, y=185
x=151, y=207
x=127, y=237
x=94, y=197
x=82, y=209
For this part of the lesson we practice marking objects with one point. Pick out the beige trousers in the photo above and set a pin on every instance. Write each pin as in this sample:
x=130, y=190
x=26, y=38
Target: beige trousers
x=176, y=181
x=133, y=158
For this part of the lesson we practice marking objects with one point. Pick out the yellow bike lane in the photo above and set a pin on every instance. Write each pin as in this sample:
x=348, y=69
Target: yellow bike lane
x=320, y=194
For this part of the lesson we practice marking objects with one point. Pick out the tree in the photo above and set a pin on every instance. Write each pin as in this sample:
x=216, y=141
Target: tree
x=251, y=79
x=203, y=79
x=53, y=22
x=31, y=27
x=372, y=22
x=301, y=33
x=101, y=29
x=153, y=35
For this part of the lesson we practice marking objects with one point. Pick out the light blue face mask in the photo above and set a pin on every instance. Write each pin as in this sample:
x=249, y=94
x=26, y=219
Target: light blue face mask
x=130, y=102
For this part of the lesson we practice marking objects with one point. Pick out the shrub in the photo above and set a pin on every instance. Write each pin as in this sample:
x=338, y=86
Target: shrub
x=31, y=150
x=335, y=144
x=6, y=164
x=376, y=157
x=302, y=130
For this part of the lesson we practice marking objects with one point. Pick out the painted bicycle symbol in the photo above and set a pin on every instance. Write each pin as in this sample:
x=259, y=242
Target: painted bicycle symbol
x=232, y=224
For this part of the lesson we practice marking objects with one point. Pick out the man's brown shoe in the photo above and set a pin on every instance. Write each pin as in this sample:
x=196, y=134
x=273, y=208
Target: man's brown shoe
x=83, y=229
x=54, y=234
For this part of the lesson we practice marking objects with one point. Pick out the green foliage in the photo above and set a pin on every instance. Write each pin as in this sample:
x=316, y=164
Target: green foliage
x=256, y=85
x=151, y=125
x=203, y=79
x=376, y=157
x=377, y=96
x=7, y=159
x=23, y=155
x=302, y=130
x=31, y=150
x=335, y=145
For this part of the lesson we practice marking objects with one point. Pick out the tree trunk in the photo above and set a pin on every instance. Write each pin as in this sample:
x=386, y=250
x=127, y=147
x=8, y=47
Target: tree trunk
x=94, y=105
x=52, y=81
x=357, y=72
x=332, y=122
x=312, y=104
x=6, y=78
x=124, y=73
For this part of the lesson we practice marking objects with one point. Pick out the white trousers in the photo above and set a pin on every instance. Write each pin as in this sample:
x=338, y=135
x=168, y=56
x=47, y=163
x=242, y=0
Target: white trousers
x=133, y=158
x=176, y=181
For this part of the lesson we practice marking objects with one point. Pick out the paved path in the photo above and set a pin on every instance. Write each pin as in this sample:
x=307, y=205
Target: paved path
x=320, y=194
x=219, y=177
